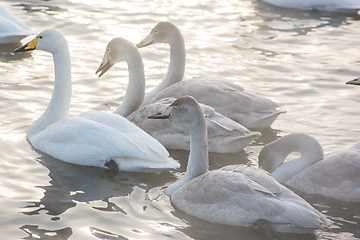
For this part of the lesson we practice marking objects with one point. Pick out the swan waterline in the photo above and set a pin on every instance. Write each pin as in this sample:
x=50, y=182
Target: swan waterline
x=233, y=195
x=12, y=29
x=225, y=135
x=91, y=138
x=344, y=6
x=228, y=99
x=336, y=176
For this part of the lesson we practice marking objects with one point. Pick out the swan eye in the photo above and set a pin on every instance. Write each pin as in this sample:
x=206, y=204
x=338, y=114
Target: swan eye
x=156, y=32
x=108, y=50
x=40, y=37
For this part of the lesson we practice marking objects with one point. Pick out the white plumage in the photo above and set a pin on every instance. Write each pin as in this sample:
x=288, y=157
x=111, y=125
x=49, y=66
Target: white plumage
x=350, y=6
x=91, y=138
x=12, y=29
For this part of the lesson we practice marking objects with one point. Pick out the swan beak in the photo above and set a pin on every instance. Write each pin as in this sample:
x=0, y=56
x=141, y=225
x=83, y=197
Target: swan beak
x=162, y=115
x=29, y=46
x=104, y=67
x=354, y=82
x=146, y=42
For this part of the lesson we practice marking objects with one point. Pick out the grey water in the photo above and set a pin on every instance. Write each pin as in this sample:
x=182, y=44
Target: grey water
x=300, y=59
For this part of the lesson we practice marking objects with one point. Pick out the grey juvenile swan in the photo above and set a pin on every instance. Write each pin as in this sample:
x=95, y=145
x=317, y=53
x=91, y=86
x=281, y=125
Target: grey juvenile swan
x=336, y=176
x=228, y=99
x=234, y=195
x=225, y=135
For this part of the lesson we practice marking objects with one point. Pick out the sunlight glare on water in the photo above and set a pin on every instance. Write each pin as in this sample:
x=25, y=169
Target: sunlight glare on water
x=300, y=59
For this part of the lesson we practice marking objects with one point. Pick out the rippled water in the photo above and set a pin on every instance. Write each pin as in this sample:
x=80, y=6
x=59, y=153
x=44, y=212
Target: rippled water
x=300, y=59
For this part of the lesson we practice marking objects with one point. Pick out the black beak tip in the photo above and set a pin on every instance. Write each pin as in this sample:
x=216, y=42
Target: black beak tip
x=23, y=49
x=158, y=116
x=20, y=49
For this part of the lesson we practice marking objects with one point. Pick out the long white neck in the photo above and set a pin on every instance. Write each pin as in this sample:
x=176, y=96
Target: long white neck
x=309, y=148
x=198, y=162
x=176, y=68
x=59, y=105
x=135, y=91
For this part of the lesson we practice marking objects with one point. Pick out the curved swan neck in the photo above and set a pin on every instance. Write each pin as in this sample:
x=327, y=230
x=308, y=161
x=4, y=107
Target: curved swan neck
x=309, y=148
x=176, y=68
x=135, y=91
x=59, y=105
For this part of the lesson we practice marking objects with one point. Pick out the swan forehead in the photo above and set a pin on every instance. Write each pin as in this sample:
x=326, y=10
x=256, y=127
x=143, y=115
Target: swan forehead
x=116, y=50
x=50, y=39
x=161, y=32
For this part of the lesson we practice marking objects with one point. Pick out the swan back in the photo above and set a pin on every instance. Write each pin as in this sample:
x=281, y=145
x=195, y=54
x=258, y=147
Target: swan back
x=12, y=29
x=320, y=5
x=273, y=155
x=234, y=195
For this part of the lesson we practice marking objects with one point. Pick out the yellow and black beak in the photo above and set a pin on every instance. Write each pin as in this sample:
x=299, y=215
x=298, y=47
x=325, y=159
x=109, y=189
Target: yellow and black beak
x=29, y=46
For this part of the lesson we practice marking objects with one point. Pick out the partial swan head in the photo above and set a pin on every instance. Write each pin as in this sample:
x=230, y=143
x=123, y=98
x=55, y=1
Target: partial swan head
x=356, y=81
x=181, y=109
x=49, y=40
x=116, y=51
x=159, y=34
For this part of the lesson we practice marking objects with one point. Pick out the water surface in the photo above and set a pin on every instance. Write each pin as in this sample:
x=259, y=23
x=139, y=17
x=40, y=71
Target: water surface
x=301, y=59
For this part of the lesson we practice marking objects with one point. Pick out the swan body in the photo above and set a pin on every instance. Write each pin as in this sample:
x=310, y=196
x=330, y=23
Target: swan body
x=91, y=138
x=320, y=5
x=228, y=99
x=225, y=135
x=234, y=195
x=12, y=29
x=336, y=176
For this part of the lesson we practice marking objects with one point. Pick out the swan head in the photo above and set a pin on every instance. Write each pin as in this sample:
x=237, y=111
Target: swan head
x=116, y=51
x=181, y=109
x=273, y=154
x=356, y=81
x=161, y=33
x=49, y=40
x=268, y=159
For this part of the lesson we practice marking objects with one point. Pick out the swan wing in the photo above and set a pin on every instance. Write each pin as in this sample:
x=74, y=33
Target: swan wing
x=241, y=106
x=224, y=134
x=337, y=176
x=229, y=197
x=126, y=127
x=12, y=29
x=83, y=141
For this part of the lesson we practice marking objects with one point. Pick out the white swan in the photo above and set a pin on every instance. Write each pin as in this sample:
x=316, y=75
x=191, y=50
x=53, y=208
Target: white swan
x=320, y=5
x=337, y=176
x=228, y=99
x=234, y=195
x=225, y=135
x=91, y=138
x=12, y=29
